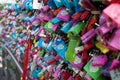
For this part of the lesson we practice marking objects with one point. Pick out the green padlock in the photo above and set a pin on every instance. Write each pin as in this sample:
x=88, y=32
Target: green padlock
x=48, y=26
x=40, y=74
x=41, y=53
x=70, y=54
x=76, y=29
x=94, y=72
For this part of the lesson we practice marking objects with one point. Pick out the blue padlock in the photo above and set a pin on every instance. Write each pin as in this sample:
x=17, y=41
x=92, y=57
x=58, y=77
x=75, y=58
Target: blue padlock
x=9, y=6
x=16, y=7
x=55, y=20
x=68, y=4
x=52, y=4
x=78, y=8
x=34, y=74
x=49, y=47
x=58, y=3
x=21, y=35
x=42, y=44
x=60, y=47
x=67, y=26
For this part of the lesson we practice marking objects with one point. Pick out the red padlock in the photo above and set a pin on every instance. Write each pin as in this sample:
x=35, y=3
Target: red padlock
x=76, y=16
x=85, y=15
x=85, y=56
x=47, y=39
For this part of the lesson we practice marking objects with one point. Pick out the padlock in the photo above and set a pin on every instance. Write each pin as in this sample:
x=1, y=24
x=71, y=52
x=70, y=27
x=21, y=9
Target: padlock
x=105, y=69
x=85, y=56
x=115, y=68
x=102, y=47
x=78, y=8
x=66, y=27
x=65, y=75
x=104, y=29
x=45, y=8
x=58, y=3
x=112, y=18
x=77, y=77
x=41, y=16
x=55, y=20
x=54, y=28
x=79, y=49
x=114, y=42
x=54, y=60
x=68, y=3
x=48, y=58
x=51, y=4
x=56, y=11
x=85, y=15
x=88, y=77
x=76, y=16
x=63, y=15
x=87, y=5
x=56, y=73
x=42, y=32
x=92, y=22
x=41, y=53
x=88, y=36
x=50, y=47
x=78, y=63
x=49, y=25
x=94, y=72
x=47, y=17
x=70, y=53
x=60, y=47
x=70, y=78
x=99, y=60
x=76, y=29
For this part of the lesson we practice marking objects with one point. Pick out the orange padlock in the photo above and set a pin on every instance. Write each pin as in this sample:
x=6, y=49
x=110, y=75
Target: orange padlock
x=57, y=11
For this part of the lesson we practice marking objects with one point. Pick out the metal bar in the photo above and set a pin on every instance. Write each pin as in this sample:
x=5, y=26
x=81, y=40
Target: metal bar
x=16, y=62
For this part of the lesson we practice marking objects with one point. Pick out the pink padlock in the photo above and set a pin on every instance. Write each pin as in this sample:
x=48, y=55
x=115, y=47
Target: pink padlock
x=63, y=15
x=88, y=36
x=112, y=13
x=115, y=40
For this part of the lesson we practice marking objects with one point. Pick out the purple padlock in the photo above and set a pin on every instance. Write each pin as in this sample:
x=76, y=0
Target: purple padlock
x=56, y=73
x=78, y=63
x=54, y=28
x=63, y=15
x=99, y=60
x=46, y=8
x=41, y=17
x=88, y=36
x=48, y=17
x=70, y=78
x=114, y=41
x=102, y=20
x=42, y=32
x=105, y=69
x=104, y=29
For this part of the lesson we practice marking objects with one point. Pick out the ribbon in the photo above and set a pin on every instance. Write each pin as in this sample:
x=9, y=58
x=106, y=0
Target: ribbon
x=26, y=60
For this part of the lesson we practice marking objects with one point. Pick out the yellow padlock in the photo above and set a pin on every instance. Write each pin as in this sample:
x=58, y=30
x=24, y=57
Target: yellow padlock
x=102, y=48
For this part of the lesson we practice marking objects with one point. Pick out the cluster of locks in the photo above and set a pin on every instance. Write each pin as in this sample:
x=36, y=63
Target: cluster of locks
x=64, y=39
